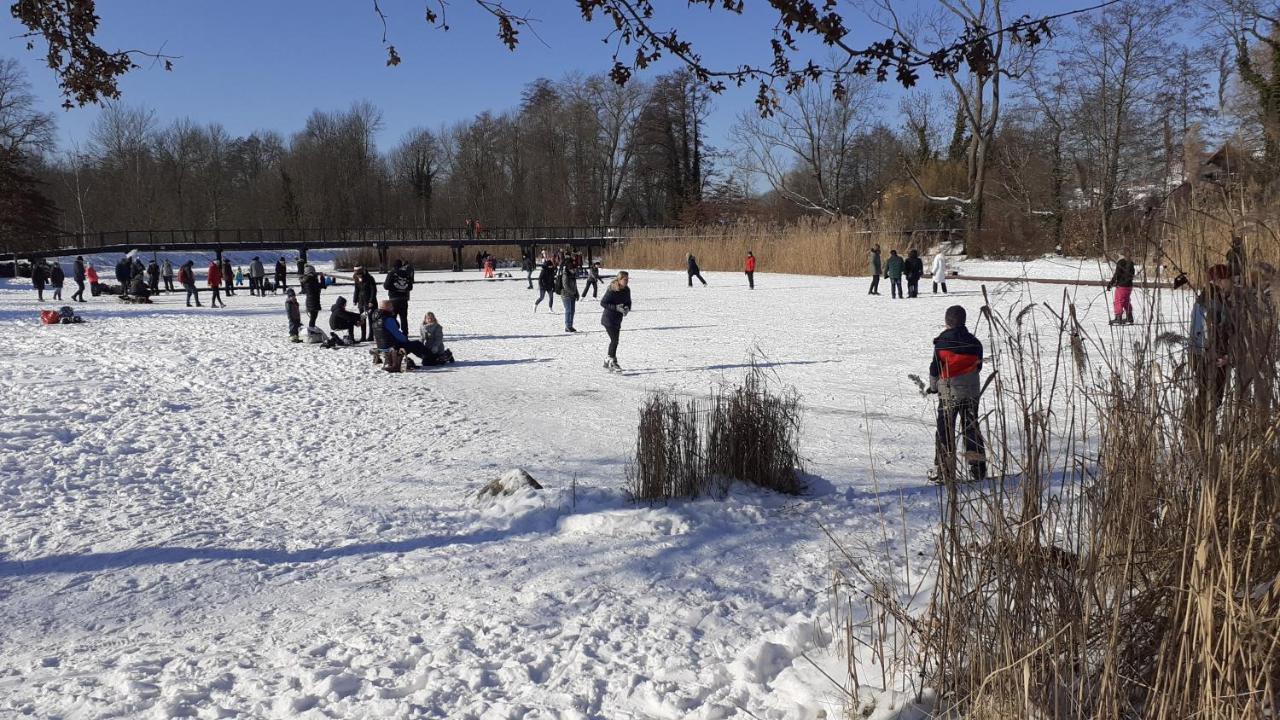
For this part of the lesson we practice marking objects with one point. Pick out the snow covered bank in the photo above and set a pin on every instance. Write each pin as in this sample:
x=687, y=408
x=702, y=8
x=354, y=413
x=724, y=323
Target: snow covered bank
x=198, y=518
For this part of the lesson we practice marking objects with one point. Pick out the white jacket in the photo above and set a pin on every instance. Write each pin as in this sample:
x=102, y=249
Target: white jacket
x=939, y=268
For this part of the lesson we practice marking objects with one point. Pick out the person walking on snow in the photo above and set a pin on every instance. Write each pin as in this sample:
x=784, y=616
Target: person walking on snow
x=593, y=280
x=893, y=268
x=56, y=279
x=153, y=276
x=939, y=271
x=693, y=270
x=256, y=273
x=399, y=285
x=528, y=265
x=78, y=275
x=432, y=336
x=751, y=270
x=874, y=258
x=166, y=273
x=616, y=304
x=546, y=286
x=954, y=375
x=282, y=274
x=311, y=289
x=568, y=294
x=295, y=315
x=39, y=276
x=228, y=277
x=913, y=269
x=215, y=283
x=187, y=278
x=1122, y=281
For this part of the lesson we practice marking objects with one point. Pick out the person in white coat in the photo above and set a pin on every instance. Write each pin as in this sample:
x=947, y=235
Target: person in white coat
x=939, y=273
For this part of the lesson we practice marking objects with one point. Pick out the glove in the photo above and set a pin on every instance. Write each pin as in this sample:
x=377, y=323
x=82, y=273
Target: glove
x=625, y=309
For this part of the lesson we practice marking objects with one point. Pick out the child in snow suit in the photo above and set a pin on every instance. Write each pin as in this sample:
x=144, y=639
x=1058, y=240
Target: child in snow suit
x=893, y=269
x=693, y=270
x=1122, y=281
x=954, y=375
x=616, y=303
x=294, y=312
x=91, y=276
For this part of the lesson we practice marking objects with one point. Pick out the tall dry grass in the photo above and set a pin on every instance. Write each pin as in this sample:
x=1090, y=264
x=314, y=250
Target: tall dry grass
x=809, y=246
x=1128, y=566
x=424, y=258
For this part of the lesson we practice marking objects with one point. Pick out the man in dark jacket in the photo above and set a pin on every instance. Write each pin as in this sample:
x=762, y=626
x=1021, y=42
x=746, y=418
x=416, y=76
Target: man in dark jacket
x=527, y=264
x=874, y=258
x=282, y=274
x=294, y=313
x=568, y=294
x=693, y=270
x=77, y=274
x=1122, y=281
x=153, y=276
x=39, y=276
x=311, y=289
x=546, y=286
x=893, y=269
x=124, y=270
x=913, y=269
x=229, y=277
x=399, y=284
x=56, y=279
x=954, y=374
x=187, y=278
x=340, y=319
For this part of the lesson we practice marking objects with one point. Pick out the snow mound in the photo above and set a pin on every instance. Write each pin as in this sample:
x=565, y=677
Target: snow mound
x=511, y=482
x=642, y=522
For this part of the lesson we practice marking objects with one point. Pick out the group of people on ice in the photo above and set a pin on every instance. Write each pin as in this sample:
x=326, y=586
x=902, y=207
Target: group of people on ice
x=139, y=282
x=896, y=268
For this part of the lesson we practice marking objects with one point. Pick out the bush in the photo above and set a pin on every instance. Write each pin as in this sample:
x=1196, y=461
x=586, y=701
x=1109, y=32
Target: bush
x=669, y=461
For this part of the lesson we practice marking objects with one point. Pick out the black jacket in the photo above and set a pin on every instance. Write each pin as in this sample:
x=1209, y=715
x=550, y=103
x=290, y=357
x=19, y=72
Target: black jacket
x=311, y=288
x=399, y=284
x=366, y=292
x=1123, y=276
x=693, y=266
x=56, y=276
x=77, y=270
x=340, y=318
x=124, y=270
x=547, y=278
x=39, y=275
x=956, y=365
x=613, y=302
x=914, y=268
x=294, y=312
x=282, y=271
x=153, y=271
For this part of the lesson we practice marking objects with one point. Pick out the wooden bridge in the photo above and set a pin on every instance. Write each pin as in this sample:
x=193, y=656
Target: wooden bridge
x=301, y=240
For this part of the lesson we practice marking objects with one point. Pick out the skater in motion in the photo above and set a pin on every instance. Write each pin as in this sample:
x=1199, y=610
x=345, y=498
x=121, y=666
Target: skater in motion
x=229, y=277
x=874, y=258
x=311, y=289
x=939, y=269
x=751, y=270
x=616, y=303
x=1122, y=281
x=693, y=270
x=78, y=275
x=546, y=286
x=187, y=278
x=215, y=284
x=954, y=375
x=56, y=279
x=432, y=335
x=593, y=280
x=893, y=268
x=294, y=312
x=913, y=269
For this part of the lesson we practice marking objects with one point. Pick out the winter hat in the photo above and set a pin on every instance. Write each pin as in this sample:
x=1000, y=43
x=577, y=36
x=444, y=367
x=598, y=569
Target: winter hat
x=291, y=294
x=309, y=270
x=956, y=316
x=1219, y=272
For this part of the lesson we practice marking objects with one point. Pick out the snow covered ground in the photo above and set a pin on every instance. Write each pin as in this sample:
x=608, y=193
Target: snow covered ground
x=200, y=519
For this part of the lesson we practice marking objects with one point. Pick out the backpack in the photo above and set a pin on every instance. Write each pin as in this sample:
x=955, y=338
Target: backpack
x=50, y=317
x=315, y=336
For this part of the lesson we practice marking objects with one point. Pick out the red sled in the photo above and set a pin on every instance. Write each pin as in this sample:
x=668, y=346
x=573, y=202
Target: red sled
x=50, y=317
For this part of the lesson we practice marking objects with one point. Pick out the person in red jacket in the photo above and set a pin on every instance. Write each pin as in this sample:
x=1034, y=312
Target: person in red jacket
x=215, y=284
x=751, y=270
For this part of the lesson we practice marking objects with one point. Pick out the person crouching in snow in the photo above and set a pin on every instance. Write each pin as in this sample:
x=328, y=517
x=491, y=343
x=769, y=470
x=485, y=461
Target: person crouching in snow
x=432, y=335
x=340, y=318
x=388, y=335
x=1122, y=281
x=294, y=311
x=954, y=375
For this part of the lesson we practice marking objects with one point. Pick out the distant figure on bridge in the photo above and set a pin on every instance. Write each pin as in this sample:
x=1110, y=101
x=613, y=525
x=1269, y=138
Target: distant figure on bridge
x=282, y=274
x=187, y=278
x=215, y=284
x=56, y=279
x=256, y=273
x=546, y=286
x=166, y=272
x=311, y=289
x=693, y=270
x=153, y=277
x=78, y=274
x=39, y=276
x=399, y=284
x=751, y=270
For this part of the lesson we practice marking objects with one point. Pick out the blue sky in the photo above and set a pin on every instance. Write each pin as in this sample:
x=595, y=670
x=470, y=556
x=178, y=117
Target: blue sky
x=269, y=63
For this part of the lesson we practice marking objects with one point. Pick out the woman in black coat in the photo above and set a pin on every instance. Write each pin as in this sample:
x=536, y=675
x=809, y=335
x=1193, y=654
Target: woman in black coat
x=913, y=269
x=311, y=288
x=546, y=286
x=616, y=303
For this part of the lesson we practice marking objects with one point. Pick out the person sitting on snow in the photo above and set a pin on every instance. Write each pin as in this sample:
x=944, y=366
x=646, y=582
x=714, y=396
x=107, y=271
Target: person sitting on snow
x=432, y=336
x=387, y=334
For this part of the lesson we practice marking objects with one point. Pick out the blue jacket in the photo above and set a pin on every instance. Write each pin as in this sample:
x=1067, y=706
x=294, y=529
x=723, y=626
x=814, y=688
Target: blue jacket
x=389, y=335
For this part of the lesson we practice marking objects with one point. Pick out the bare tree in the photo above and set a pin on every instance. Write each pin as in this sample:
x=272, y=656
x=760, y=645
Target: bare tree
x=24, y=130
